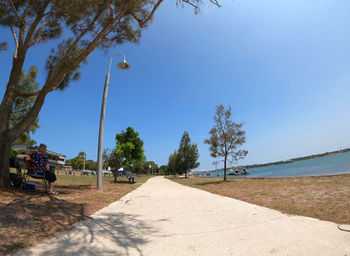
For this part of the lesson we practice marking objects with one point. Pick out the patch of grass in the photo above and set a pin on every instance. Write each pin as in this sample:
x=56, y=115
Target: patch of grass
x=323, y=197
x=28, y=217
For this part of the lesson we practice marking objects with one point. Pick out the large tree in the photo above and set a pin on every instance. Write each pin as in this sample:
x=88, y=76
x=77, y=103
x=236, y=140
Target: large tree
x=226, y=137
x=130, y=147
x=187, y=154
x=79, y=27
x=22, y=105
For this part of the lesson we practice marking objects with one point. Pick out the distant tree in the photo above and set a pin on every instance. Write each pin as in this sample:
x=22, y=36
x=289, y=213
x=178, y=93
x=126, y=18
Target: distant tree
x=91, y=165
x=174, y=164
x=226, y=137
x=163, y=169
x=77, y=162
x=22, y=105
x=68, y=162
x=76, y=28
x=130, y=147
x=187, y=154
x=150, y=167
x=113, y=160
x=138, y=167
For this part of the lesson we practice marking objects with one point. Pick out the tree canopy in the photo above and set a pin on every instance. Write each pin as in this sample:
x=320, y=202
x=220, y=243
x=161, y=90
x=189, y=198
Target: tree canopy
x=130, y=147
x=112, y=159
x=174, y=164
x=188, y=154
x=226, y=137
x=184, y=158
x=77, y=162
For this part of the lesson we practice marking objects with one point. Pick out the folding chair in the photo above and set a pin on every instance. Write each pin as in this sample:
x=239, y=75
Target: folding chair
x=31, y=173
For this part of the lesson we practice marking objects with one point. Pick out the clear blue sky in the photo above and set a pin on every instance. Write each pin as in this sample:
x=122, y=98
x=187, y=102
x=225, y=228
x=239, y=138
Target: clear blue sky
x=283, y=66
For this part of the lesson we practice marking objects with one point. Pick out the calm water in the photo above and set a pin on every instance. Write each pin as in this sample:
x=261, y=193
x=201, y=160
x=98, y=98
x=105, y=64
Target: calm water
x=335, y=164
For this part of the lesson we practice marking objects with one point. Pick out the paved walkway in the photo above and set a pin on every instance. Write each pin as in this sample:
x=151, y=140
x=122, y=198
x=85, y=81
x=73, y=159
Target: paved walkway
x=164, y=218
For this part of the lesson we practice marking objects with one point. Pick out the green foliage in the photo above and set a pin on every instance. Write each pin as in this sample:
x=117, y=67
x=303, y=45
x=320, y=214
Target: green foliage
x=150, y=167
x=129, y=147
x=174, y=166
x=138, y=167
x=14, y=153
x=22, y=106
x=111, y=158
x=164, y=170
x=77, y=162
x=187, y=154
x=183, y=159
x=90, y=165
x=226, y=137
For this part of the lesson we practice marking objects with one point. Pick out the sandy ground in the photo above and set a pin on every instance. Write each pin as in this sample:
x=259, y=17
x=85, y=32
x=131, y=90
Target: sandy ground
x=165, y=218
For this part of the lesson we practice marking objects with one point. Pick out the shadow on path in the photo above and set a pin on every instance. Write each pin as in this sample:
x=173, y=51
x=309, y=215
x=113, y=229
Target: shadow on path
x=106, y=234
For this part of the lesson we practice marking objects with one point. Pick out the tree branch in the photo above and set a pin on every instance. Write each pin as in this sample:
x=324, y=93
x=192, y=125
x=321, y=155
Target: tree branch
x=22, y=126
x=16, y=13
x=215, y=2
x=16, y=40
x=82, y=34
x=143, y=22
x=25, y=94
x=111, y=11
x=38, y=32
x=34, y=25
x=57, y=79
x=188, y=2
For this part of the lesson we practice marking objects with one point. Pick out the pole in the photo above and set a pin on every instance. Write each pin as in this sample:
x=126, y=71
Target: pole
x=102, y=122
x=84, y=161
x=100, y=137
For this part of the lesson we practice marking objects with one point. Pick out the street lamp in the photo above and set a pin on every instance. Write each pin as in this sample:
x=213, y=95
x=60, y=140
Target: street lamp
x=123, y=66
x=84, y=160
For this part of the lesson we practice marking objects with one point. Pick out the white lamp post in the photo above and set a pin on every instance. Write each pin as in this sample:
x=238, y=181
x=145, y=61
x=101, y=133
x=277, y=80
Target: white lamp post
x=123, y=66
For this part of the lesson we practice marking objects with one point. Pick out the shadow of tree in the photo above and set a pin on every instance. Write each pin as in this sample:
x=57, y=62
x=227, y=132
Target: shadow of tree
x=37, y=215
x=211, y=183
x=74, y=187
x=109, y=233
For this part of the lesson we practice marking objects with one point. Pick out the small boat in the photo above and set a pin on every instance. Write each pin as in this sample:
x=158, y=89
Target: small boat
x=238, y=172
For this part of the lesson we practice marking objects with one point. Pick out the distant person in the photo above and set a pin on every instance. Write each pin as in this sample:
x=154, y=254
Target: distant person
x=41, y=162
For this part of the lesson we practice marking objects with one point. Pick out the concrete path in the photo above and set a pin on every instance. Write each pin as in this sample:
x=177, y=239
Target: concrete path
x=164, y=218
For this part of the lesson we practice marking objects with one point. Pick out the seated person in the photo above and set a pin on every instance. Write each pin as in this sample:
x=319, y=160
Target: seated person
x=40, y=162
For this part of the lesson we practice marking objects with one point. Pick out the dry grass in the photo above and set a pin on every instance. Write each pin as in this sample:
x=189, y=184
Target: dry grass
x=324, y=197
x=28, y=217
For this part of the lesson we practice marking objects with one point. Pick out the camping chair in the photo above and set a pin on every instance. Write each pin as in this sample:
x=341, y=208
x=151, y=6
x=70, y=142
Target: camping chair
x=31, y=173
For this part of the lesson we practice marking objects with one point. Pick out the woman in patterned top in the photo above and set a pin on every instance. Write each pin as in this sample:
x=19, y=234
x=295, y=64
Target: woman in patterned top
x=40, y=162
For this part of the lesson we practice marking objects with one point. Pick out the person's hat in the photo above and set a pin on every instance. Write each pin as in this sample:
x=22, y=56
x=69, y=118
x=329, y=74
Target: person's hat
x=42, y=147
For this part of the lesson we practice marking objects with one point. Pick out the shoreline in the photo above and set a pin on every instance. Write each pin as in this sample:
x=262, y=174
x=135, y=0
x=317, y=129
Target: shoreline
x=274, y=177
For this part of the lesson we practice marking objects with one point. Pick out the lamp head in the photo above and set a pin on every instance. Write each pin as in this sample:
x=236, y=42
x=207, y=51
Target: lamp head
x=123, y=65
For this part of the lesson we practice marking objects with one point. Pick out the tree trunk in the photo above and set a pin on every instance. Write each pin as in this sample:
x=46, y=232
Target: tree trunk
x=5, y=149
x=185, y=174
x=115, y=178
x=225, y=168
